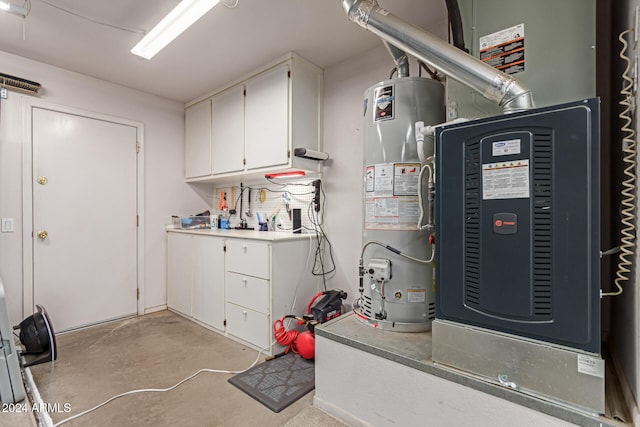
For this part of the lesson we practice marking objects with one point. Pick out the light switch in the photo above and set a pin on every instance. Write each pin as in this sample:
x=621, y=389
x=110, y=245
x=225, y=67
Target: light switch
x=7, y=225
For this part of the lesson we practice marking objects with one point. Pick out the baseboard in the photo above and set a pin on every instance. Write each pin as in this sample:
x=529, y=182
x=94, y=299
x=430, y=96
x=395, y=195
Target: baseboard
x=149, y=310
x=339, y=413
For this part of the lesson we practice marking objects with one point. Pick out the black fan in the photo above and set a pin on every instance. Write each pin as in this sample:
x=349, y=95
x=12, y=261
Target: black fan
x=38, y=337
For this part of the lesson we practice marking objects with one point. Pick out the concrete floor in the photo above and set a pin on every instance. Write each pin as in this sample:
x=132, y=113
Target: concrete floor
x=157, y=351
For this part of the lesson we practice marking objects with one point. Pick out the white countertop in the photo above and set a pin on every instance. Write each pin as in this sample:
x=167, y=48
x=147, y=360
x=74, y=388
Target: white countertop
x=272, y=236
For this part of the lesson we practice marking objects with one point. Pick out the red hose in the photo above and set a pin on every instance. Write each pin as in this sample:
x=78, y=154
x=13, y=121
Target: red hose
x=284, y=337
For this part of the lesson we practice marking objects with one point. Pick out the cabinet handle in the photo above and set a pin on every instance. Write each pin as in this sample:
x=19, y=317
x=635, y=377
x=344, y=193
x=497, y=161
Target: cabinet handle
x=244, y=313
x=244, y=281
x=244, y=248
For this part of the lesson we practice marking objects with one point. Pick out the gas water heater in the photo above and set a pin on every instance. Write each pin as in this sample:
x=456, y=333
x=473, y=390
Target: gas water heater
x=397, y=287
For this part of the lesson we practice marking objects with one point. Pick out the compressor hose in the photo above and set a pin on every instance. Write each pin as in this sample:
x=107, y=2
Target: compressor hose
x=628, y=232
x=283, y=337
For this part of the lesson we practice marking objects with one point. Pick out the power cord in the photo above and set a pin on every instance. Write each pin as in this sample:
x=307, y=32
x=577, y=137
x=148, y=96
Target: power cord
x=628, y=240
x=159, y=390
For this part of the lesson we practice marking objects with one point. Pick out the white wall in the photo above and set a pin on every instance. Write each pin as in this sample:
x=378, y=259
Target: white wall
x=165, y=190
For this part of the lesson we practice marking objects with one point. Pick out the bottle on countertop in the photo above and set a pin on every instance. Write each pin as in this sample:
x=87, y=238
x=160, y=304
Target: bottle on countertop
x=224, y=220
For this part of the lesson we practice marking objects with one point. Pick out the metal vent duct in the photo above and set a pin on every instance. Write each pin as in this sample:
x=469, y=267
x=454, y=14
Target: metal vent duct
x=493, y=84
x=18, y=84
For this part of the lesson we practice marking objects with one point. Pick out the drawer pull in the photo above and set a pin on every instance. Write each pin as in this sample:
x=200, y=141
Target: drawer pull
x=244, y=313
x=244, y=281
x=244, y=248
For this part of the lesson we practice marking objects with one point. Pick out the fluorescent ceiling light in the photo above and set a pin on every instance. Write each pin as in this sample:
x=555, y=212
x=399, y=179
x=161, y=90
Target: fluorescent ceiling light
x=12, y=8
x=179, y=19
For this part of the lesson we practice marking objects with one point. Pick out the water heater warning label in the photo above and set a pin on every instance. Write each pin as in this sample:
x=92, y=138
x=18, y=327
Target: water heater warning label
x=391, y=196
x=504, y=49
x=505, y=180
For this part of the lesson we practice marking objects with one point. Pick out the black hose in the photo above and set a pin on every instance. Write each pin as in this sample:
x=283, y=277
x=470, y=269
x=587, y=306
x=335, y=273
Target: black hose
x=455, y=20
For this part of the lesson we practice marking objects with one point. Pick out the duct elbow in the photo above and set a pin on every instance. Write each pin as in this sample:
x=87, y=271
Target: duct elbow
x=519, y=101
x=517, y=97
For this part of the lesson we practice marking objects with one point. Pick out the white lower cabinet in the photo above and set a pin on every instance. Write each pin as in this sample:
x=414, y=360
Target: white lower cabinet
x=240, y=286
x=195, y=277
x=208, y=281
x=179, y=269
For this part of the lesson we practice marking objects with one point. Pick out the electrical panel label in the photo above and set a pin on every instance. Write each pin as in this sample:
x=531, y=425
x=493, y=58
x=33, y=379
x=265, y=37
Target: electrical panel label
x=391, y=196
x=383, y=103
x=590, y=365
x=505, y=148
x=505, y=180
x=504, y=49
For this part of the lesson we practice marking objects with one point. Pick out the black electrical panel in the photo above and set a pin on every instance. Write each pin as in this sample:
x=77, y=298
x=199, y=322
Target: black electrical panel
x=518, y=224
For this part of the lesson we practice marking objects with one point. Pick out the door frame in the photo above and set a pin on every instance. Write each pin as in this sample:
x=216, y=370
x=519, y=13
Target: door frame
x=28, y=303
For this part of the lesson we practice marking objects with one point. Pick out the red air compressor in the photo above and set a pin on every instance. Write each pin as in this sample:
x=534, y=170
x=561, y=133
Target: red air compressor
x=322, y=307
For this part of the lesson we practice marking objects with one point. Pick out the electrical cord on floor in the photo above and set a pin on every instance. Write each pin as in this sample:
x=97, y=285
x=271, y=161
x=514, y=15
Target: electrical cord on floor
x=159, y=390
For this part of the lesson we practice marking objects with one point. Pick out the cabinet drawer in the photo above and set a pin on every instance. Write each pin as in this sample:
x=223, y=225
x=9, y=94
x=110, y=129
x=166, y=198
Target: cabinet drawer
x=250, y=258
x=248, y=325
x=247, y=291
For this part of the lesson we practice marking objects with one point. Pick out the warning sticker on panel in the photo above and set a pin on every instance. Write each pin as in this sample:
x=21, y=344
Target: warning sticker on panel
x=405, y=179
x=391, y=198
x=590, y=365
x=504, y=49
x=391, y=213
x=416, y=295
x=505, y=180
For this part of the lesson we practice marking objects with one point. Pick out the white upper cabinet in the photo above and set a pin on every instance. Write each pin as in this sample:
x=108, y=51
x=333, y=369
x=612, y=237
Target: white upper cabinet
x=197, y=153
x=267, y=119
x=227, y=131
x=256, y=125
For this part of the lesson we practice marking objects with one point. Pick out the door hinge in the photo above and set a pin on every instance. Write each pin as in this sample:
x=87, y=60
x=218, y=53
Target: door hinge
x=289, y=74
x=137, y=147
x=244, y=162
x=244, y=92
x=224, y=248
x=288, y=154
x=137, y=220
x=225, y=322
x=138, y=294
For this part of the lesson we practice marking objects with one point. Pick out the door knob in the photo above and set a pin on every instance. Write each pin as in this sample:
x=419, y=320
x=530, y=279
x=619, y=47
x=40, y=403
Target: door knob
x=42, y=234
x=42, y=180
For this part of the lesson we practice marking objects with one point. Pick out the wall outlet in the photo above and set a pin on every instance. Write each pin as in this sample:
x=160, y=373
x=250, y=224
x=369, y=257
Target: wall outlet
x=7, y=225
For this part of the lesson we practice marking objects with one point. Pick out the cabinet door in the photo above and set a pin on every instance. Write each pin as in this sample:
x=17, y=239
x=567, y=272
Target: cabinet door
x=267, y=118
x=208, y=280
x=179, y=261
x=227, y=131
x=197, y=150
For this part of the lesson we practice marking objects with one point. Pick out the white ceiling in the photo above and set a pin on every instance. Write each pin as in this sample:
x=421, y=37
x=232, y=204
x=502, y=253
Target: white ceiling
x=223, y=46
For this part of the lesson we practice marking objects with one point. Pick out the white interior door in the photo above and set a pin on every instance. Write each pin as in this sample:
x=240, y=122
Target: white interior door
x=84, y=218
